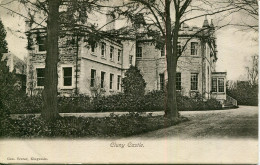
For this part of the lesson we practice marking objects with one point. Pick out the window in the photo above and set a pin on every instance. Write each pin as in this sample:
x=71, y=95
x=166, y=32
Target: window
x=163, y=51
x=67, y=76
x=93, y=77
x=139, y=52
x=103, y=49
x=214, y=85
x=42, y=44
x=161, y=81
x=131, y=60
x=102, y=85
x=194, y=48
x=40, y=76
x=119, y=56
x=118, y=82
x=194, y=81
x=178, y=81
x=93, y=46
x=220, y=84
x=111, y=53
x=179, y=49
x=111, y=81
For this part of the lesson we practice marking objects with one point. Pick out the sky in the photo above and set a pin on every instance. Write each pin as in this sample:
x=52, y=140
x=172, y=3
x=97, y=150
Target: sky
x=234, y=46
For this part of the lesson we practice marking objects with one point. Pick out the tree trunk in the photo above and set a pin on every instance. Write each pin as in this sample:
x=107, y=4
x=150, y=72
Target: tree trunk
x=50, y=110
x=171, y=110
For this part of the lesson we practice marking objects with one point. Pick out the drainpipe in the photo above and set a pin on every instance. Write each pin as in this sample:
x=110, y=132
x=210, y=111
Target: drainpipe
x=77, y=56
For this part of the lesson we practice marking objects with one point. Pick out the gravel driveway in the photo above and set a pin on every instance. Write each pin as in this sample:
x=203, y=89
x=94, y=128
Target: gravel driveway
x=232, y=123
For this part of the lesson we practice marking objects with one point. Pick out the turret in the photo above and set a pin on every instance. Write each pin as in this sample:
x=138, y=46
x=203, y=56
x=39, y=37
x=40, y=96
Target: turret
x=205, y=23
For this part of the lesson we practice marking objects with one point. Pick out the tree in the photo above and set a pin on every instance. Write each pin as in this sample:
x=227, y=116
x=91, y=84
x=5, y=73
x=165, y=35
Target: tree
x=50, y=110
x=249, y=8
x=162, y=21
x=3, y=43
x=252, y=71
x=7, y=78
x=133, y=82
x=59, y=21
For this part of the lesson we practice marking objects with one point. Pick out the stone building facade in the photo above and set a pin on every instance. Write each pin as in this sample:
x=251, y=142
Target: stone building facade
x=99, y=68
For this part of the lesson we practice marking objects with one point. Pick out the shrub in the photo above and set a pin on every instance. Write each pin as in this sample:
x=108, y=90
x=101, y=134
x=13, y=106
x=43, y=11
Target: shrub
x=152, y=101
x=73, y=127
x=133, y=82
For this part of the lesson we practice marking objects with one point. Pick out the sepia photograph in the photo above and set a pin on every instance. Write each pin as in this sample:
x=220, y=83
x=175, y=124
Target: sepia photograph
x=129, y=81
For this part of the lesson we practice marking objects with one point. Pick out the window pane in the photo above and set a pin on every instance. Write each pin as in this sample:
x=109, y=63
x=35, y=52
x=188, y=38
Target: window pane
x=178, y=81
x=194, y=48
x=139, y=52
x=67, y=71
x=111, y=52
x=42, y=44
x=67, y=76
x=93, y=76
x=214, y=85
x=179, y=49
x=161, y=81
x=67, y=81
x=40, y=72
x=40, y=81
x=119, y=56
x=118, y=82
x=103, y=49
x=111, y=81
x=194, y=81
x=40, y=76
x=220, y=85
x=102, y=79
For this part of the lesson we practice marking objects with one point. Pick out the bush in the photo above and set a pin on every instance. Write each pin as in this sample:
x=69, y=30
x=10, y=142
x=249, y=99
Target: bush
x=244, y=93
x=73, y=127
x=152, y=101
x=133, y=82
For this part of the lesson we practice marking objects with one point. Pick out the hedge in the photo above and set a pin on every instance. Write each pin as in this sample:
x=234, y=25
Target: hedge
x=152, y=101
x=73, y=127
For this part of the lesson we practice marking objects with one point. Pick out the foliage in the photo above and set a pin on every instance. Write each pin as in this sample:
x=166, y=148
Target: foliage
x=152, y=101
x=243, y=92
x=73, y=127
x=133, y=82
x=3, y=43
x=8, y=80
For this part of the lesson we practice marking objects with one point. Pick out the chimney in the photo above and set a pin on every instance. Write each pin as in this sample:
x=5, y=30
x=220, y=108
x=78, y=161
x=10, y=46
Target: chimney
x=110, y=22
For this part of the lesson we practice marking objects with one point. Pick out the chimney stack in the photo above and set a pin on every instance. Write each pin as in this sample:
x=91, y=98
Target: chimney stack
x=110, y=22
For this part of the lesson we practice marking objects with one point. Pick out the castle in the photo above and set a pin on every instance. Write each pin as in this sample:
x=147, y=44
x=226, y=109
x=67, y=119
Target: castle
x=84, y=68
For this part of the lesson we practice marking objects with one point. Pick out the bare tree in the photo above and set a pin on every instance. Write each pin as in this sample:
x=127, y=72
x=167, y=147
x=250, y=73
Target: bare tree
x=252, y=71
x=248, y=11
x=163, y=21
